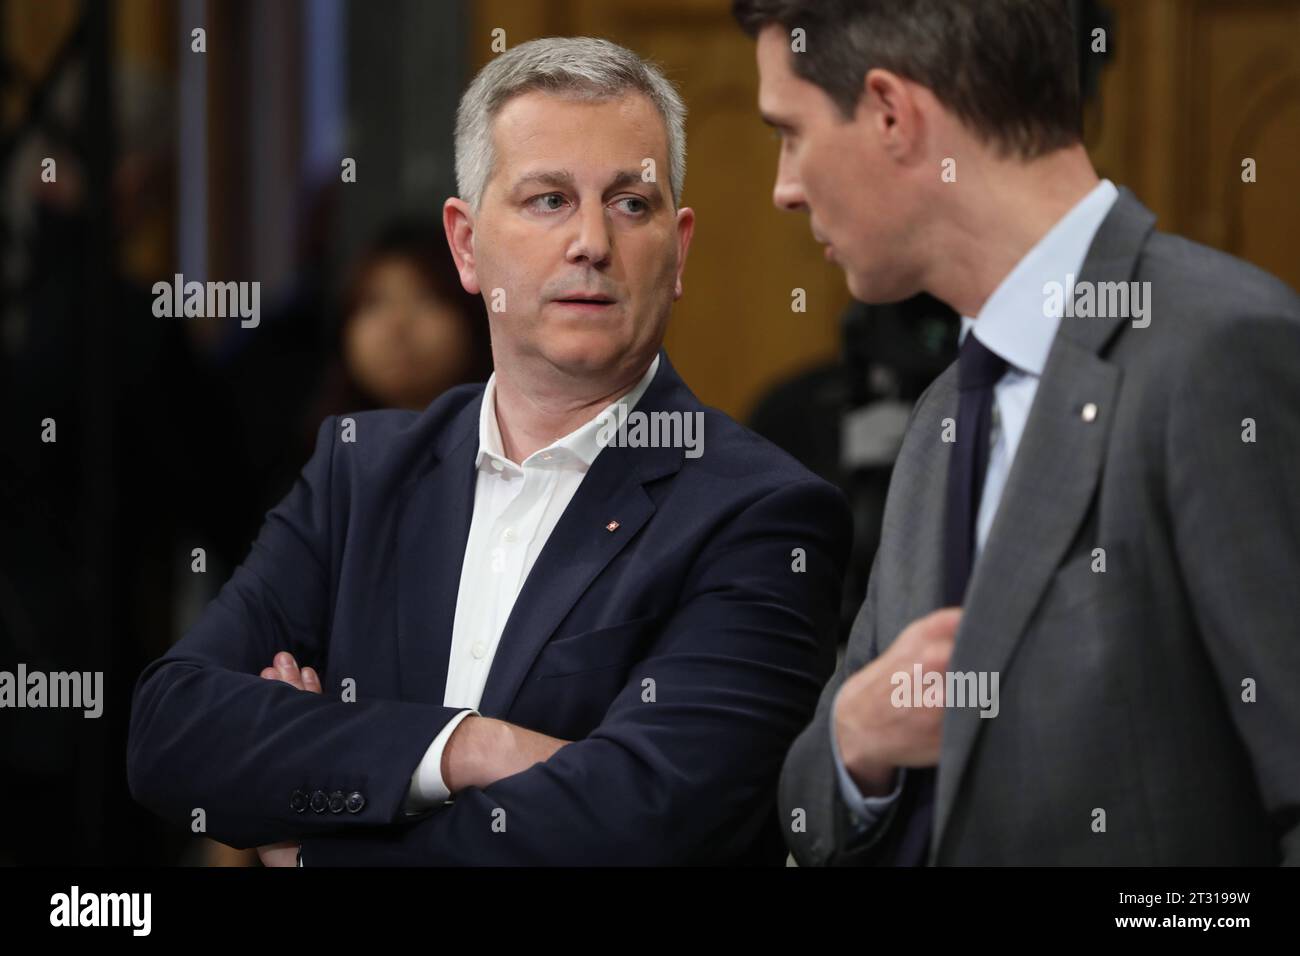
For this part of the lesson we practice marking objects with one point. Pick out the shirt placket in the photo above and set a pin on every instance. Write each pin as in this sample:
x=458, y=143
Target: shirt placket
x=519, y=523
x=499, y=577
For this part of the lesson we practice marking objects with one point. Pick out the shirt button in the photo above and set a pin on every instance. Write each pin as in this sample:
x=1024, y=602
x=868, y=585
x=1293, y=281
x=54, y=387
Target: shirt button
x=496, y=465
x=547, y=456
x=509, y=534
x=479, y=650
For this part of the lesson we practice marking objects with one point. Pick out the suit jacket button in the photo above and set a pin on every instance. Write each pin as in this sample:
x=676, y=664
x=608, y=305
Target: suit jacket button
x=298, y=802
x=319, y=801
x=355, y=801
x=336, y=801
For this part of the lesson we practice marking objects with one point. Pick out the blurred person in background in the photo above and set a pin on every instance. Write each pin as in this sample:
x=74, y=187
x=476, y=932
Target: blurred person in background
x=409, y=331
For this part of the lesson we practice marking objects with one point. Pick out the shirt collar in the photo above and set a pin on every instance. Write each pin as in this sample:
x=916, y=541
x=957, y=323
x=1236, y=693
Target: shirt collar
x=1014, y=322
x=579, y=445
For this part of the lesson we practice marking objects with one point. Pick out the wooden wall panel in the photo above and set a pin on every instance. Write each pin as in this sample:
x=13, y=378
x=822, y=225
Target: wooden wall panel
x=1196, y=87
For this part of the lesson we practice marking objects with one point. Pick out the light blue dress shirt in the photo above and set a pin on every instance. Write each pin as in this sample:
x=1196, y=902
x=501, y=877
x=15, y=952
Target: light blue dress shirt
x=1017, y=323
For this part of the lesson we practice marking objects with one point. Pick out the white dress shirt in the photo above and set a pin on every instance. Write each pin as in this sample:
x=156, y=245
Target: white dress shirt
x=1016, y=324
x=516, y=507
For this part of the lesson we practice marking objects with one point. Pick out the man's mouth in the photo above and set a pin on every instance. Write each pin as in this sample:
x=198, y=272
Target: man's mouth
x=593, y=300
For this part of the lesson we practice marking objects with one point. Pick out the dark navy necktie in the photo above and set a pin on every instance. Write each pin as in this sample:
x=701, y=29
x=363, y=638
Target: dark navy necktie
x=978, y=370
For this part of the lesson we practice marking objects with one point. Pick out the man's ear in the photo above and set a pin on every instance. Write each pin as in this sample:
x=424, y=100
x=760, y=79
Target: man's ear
x=891, y=112
x=685, y=229
x=458, y=223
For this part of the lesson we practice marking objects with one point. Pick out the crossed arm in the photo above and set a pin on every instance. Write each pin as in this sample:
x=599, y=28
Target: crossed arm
x=689, y=776
x=480, y=751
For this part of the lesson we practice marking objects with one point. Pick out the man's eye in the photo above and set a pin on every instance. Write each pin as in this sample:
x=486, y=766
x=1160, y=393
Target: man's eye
x=549, y=202
x=638, y=206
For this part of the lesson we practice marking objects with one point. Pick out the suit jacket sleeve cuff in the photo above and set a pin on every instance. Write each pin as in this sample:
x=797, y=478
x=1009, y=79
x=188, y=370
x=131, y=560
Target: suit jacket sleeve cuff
x=427, y=788
x=864, y=813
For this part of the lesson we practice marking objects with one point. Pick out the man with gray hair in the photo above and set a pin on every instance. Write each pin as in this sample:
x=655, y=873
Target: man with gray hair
x=495, y=635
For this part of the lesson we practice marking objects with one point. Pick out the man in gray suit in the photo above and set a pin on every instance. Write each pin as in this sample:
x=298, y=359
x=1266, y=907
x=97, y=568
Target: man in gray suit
x=1081, y=638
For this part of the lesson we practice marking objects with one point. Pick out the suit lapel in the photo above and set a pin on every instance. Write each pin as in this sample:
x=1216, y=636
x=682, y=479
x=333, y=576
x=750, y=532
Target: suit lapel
x=916, y=533
x=432, y=529
x=1050, y=487
x=581, y=546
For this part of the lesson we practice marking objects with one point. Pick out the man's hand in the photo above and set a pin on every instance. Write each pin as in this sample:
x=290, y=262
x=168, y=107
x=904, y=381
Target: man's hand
x=285, y=668
x=482, y=750
x=278, y=854
x=874, y=736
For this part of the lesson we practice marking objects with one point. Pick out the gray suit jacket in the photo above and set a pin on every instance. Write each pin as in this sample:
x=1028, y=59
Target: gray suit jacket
x=1127, y=691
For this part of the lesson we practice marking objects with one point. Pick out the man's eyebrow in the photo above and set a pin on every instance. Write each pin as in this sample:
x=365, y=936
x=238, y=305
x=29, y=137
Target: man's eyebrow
x=550, y=177
x=563, y=179
x=625, y=177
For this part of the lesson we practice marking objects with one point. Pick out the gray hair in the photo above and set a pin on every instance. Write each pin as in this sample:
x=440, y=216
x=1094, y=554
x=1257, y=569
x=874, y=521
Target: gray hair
x=577, y=67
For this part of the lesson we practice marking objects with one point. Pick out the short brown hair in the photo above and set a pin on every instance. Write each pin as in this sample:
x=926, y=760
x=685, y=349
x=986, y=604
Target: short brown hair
x=1008, y=69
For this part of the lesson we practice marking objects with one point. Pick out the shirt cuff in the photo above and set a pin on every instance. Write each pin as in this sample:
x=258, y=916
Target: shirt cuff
x=427, y=786
x=864, y=812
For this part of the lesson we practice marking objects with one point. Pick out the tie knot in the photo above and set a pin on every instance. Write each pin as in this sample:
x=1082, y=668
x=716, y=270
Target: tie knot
x=977, y=366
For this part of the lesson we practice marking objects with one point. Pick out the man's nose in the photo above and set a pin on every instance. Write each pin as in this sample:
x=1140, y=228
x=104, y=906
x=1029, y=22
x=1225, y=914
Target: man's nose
x=787, y=194
x=592, y=241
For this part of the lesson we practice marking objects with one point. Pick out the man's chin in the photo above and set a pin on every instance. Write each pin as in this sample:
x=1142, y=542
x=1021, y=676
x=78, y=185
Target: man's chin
x=584, y=354
x=859, y=287
x=870, y=290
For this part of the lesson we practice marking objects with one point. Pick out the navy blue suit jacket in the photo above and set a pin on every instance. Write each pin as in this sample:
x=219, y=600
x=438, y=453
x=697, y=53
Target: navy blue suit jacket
x=682, y=653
